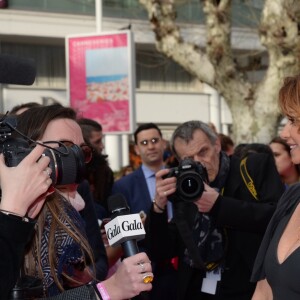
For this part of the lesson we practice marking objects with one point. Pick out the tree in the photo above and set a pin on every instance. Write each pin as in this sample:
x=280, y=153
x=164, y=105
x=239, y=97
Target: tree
x=253, y=106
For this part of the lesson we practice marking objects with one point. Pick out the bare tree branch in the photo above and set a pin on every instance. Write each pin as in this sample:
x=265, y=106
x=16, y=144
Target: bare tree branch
x=253, y=105
x=169, y=40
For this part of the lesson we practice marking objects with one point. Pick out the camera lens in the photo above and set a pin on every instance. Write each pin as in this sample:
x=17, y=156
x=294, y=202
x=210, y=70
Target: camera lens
x=190, y=186
x=66, y=169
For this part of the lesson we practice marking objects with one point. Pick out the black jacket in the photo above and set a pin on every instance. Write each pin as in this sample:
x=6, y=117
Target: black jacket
x=14, y=235
x=244, y=220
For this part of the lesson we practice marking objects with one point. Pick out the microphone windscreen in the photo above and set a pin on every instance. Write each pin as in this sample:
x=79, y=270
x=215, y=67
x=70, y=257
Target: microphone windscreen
x=17, y=70
x=117, y=205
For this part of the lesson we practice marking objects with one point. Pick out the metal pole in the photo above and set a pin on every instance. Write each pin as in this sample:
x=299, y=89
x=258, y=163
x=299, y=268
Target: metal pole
x=98, y=14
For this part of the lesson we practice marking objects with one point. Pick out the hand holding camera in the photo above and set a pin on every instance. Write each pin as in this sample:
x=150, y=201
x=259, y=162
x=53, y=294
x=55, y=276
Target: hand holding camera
x=191, y=178
x=60, y=165
x=165, y=186
x=31, y=179
x=207, y=200
x=192, y=185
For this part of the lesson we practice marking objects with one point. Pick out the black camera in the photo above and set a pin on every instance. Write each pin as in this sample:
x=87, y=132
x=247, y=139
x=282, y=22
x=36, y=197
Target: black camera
x=67, y=163
x=191, y=176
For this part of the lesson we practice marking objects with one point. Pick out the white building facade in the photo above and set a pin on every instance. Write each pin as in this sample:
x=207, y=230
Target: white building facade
x=165, y=93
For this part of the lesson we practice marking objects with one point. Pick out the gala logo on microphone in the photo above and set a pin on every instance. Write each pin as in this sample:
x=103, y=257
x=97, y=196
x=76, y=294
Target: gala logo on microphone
x=124, y=228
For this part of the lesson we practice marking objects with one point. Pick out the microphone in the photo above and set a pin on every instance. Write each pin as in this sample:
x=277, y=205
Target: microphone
x=17, y=70
x=124, y=228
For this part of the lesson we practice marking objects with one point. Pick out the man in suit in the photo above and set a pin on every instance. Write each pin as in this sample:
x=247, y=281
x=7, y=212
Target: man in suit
x=139, y=190
x=139, y=186
x=216, y=235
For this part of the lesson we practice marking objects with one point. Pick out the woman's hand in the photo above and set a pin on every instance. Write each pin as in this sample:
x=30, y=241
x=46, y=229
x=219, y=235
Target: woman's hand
x=25, y=186
x=127, y=282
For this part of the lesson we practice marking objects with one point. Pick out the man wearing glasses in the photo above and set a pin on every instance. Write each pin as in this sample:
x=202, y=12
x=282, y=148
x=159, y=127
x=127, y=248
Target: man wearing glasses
x=139, y=186
x=139, y=191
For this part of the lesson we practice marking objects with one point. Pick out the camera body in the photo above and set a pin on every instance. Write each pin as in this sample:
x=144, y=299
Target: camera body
x=191, y=176
x=66, y=168
x=67, y=163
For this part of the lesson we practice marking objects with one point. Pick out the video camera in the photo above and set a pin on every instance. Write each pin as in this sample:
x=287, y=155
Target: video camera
x=191, y=176
x=67, y=163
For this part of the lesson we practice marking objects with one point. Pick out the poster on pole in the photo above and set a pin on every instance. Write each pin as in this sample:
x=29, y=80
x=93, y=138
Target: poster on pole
x=101, y=79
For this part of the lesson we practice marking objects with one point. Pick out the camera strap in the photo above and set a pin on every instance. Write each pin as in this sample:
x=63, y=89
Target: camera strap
x=247, y=178
x=187, y=236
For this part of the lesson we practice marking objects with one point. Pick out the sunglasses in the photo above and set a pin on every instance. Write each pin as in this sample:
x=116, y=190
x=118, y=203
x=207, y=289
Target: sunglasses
x=86, y=149
x=153, y=141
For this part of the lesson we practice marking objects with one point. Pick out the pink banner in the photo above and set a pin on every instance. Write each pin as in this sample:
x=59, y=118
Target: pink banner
x=100, y=79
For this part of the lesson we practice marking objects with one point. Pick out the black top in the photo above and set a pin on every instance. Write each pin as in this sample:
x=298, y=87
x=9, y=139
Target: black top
x=285, y=207
x=284, y=277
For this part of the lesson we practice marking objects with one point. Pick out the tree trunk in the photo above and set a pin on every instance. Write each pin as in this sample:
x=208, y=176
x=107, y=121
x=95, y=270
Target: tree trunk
x=253, y=107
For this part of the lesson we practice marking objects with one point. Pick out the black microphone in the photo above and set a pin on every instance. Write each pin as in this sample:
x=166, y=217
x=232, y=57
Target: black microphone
x=124, y=228
x=17, y=70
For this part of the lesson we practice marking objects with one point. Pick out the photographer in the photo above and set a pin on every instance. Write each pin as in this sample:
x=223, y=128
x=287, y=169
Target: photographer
x=66, y=250
x=216, y=235
x=24, y=189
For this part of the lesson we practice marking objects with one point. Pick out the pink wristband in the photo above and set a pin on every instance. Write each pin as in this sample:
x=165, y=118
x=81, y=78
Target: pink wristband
x=104, y=294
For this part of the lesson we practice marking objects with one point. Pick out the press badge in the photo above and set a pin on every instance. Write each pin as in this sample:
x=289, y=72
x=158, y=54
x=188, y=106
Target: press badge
x=209, y=283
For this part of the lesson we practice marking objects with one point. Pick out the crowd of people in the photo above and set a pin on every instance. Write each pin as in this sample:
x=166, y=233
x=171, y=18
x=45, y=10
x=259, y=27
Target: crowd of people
x=222, y=220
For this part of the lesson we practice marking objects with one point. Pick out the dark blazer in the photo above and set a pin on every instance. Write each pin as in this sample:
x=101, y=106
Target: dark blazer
x=134, y=187
x=237, y=212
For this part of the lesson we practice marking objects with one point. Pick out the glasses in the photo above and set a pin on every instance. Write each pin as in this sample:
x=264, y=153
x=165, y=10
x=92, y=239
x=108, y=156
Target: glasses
x=153, y=141
x=86, y=149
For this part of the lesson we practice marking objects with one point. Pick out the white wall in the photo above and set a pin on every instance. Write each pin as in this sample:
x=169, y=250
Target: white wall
x=171, y=108
x=14, y=96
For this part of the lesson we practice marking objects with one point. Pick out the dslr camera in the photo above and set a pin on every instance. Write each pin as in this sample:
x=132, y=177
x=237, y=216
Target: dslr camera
x=191, y=176
x=67, y=163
